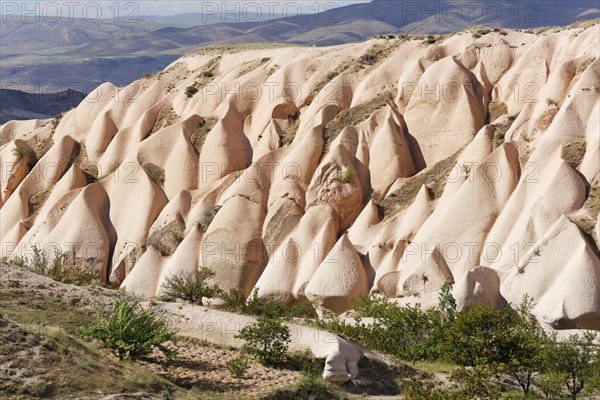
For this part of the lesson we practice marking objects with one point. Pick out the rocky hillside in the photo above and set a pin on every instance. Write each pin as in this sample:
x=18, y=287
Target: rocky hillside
x=325, y=173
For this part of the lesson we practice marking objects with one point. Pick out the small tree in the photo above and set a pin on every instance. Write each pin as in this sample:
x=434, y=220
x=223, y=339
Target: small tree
x=268, y=340
x=192, y=287
x=525, y=356
x=576, y=359
x=130, y=330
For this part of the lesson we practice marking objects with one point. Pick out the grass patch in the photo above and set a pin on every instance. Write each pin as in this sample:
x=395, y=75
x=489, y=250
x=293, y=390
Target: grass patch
x=347, y=177
x=90, y=169
x=35, y=307
x=376, y=54
x=501, y=129
x=587, y=224
x=36, y=202
x=573, y=152
x=237, y=48
x=496, y=109
x=252, y=66
x=42, y=146
x=434, y=178
x=166, y=114
x=331, y=76
x=353, y=116
x=62, y=267
x=584, y=65
x=201, y=132
x=156, y=173
x=208, y=216
x=59, y=366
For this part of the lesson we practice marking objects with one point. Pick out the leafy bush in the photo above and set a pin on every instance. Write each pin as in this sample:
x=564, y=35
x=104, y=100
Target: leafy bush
x=467, y=384
x=130, y=331
x=208, y=74
x=191, y=287
x=347, y=177
x=190, y=91
x=238, y=366
x=406, y=332
x=268, y=340
x=21, y=152
x=235, y=301
x=263, y=307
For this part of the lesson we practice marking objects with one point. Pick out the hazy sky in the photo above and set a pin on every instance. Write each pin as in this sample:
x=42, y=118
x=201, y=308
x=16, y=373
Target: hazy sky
x=122, y=8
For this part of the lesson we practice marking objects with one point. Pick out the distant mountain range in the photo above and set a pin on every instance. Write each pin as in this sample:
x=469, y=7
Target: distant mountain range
x=81, y=54
x=18, y=105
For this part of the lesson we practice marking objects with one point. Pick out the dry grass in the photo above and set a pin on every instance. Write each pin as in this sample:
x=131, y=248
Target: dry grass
x=166, y=114
x=156, y=173
x=573, y=152
x=253, y=65
x=331, y=76
x=376, y=54
x=238, y=48
x=42, y=146
x=434, y=178
x=496, y=109
x=36, y=202
x=353, y=116
x=587, y=224
x=501, y=130
x=202, y=130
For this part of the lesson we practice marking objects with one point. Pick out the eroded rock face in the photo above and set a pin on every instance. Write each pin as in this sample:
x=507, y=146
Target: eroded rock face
x=393, y=177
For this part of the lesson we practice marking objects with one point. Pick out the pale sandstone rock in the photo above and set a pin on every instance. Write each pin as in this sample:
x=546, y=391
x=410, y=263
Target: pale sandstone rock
x=246, y=187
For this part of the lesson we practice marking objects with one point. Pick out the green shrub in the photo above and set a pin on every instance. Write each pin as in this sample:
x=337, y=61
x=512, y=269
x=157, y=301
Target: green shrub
x=130, y=331
x=238, y=366
x=406, y=332
x=347, y=176
x=475, y=383
x=176, y=236
x=268, y=340
x=191, y=287
x=235, y=301
x=418, y=389
x=208, y=74
x=190, y=91
x=21, y=152
x=61, y=267
x=263, y=307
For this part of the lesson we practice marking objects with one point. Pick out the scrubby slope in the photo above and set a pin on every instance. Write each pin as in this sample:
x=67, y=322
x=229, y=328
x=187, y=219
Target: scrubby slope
x=473, y=159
